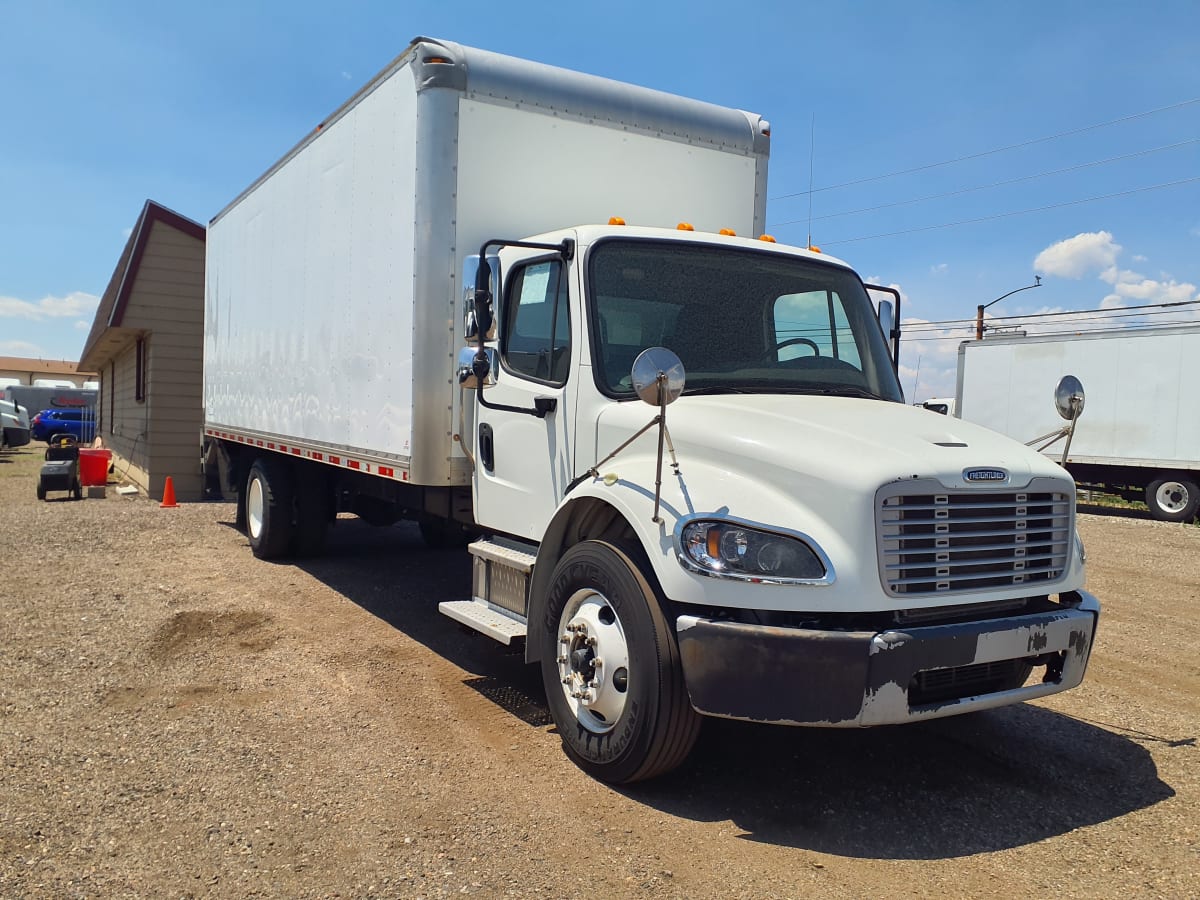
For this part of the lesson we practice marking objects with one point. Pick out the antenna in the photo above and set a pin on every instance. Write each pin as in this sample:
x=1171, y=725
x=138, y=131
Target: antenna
x=812, y=152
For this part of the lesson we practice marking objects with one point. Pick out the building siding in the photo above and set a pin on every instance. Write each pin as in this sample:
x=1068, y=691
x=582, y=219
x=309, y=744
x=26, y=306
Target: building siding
x=160, y=435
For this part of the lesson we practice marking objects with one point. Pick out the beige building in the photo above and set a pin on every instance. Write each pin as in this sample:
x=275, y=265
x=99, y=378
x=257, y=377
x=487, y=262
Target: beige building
x=17, y=369
x=147, y=344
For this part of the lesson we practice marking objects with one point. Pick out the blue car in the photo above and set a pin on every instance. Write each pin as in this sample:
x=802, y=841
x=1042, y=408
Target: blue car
x=79, y=423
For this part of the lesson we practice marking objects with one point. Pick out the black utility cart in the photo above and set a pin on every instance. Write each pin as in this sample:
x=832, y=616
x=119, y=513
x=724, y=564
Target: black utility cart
x=60, y=471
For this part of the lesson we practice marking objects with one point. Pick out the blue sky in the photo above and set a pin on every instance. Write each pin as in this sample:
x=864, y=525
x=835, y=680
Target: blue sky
x=106, y=104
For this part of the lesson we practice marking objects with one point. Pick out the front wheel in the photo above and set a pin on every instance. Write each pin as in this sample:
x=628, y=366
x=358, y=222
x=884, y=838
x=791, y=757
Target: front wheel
x=610, y=665
x=1173, y=499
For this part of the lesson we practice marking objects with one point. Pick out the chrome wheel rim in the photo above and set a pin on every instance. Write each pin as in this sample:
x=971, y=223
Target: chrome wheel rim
x=593, y=661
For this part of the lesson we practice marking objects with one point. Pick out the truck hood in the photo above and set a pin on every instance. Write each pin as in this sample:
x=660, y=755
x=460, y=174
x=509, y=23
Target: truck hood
x=856, y=443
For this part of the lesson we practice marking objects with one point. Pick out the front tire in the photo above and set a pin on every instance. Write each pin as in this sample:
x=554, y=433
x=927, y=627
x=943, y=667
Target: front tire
x=1173, y=499
x=269, y=493
x=610, y=665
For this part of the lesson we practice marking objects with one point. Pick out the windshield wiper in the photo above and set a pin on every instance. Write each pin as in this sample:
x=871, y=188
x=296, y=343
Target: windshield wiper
x=845, y=390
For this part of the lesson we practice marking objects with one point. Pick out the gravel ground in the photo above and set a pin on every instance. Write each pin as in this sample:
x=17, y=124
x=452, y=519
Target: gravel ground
x=180, y=719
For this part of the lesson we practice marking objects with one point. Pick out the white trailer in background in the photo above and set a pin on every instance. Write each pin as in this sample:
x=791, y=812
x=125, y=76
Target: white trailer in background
x=431, y=309
x=1139, y=434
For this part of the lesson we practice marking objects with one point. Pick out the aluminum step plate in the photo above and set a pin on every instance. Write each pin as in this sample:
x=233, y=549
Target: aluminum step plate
x=483, y=619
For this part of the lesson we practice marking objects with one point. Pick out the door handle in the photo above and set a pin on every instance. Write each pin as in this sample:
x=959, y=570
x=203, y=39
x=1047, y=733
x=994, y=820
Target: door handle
x=487, y=446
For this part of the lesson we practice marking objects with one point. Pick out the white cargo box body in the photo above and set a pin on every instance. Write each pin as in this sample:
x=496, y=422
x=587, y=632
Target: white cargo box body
x=333, y=295
x=1141, y=407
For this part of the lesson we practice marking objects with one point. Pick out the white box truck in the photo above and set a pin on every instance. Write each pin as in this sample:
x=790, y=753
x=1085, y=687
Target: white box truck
x=431, y=309
x=1139, y=435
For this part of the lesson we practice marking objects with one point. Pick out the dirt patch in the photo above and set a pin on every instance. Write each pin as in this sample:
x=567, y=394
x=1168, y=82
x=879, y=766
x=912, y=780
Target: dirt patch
x=204, y=631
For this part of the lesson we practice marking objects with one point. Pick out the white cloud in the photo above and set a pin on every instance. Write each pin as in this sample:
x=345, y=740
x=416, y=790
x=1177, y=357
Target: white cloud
x=939, y=269
x=1078, y=256
x=20, y=348
x=72, y=305
x=83, y=325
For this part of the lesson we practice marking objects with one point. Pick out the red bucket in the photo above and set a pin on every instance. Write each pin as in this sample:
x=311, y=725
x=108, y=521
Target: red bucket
x=93, y=466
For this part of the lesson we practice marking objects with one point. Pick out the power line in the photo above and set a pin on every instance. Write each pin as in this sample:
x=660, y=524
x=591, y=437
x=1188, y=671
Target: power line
x=1028, y=143
x=995, y=184
x=1096, y=320
x=1060, y=312
x=1019, y=212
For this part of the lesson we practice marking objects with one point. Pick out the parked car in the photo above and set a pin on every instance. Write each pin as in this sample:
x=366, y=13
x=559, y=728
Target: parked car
x=79, y=423
x=14, y=425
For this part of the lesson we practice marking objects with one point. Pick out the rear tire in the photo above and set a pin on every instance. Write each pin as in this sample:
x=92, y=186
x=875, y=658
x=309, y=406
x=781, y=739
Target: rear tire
x=627, y=717
x=1173, y=499
x=269, y=493
x=41, y=491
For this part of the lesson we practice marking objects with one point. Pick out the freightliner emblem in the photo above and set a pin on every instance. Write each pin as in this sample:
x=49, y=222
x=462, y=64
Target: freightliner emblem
x=985, y=475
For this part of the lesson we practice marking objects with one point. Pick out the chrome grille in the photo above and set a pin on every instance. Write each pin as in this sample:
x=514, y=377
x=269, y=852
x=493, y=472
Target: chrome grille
x=941, y=542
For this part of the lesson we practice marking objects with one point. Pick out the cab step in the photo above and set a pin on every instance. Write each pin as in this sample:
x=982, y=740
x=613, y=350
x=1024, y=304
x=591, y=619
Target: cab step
x=498, y=625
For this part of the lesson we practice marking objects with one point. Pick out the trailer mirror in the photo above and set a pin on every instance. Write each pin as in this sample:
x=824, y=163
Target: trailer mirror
x=1068, y=397
x=481, y=285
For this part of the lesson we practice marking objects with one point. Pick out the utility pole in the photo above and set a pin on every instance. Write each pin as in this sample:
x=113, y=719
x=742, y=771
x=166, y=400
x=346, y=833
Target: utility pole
x=979, y=309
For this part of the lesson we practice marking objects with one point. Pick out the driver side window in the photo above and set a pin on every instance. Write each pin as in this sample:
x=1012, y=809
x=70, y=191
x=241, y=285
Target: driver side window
x=814, y=323
x=537, y=336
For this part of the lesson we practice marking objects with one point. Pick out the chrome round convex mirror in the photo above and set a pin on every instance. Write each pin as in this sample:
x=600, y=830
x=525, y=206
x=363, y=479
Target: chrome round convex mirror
x=652, y=362
x=1068, y=397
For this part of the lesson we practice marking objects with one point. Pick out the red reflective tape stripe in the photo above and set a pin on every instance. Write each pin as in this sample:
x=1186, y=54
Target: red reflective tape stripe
x=318, y=456
x=295, y=451
x=384, y=470
x=353, y=463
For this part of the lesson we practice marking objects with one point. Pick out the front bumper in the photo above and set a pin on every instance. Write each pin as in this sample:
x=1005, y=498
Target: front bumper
x=858, y=678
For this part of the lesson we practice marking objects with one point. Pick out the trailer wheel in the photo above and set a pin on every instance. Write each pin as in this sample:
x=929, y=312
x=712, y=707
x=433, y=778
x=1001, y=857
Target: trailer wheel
x=1173, y=499
x=77, y=490
x=611, y=669
x=269, y=508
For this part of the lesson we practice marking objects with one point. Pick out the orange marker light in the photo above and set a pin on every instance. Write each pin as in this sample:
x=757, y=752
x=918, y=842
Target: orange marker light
x=767, y=238
x=814, y=249
x=728, y=232
x=713, y=543
x=684, y=226
x=616, y=220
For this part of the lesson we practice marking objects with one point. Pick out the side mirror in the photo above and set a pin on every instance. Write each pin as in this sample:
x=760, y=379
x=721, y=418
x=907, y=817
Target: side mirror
x=1068, y=397
x=481, y=285
x=887, y=318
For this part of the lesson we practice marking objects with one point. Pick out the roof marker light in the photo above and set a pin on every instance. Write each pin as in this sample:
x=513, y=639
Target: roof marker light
x=616, y=220
x=767, y=238
x=684, y=226
x=728, y=232
x=814, y=249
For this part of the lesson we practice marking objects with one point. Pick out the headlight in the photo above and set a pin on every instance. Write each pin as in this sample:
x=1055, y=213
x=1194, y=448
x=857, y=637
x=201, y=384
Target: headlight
x=730, y=550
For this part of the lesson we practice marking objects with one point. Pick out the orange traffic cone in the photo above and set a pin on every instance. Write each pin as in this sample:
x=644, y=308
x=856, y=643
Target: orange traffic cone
x=168, y=495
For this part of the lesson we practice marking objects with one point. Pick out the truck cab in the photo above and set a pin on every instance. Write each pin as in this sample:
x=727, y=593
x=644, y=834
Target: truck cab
x=791, y=543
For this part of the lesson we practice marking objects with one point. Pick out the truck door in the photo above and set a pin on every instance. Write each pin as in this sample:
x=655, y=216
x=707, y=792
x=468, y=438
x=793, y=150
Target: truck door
x=525, y=461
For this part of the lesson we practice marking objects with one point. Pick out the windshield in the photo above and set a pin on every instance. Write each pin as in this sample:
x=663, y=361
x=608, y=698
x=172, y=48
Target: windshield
x=741, y=321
